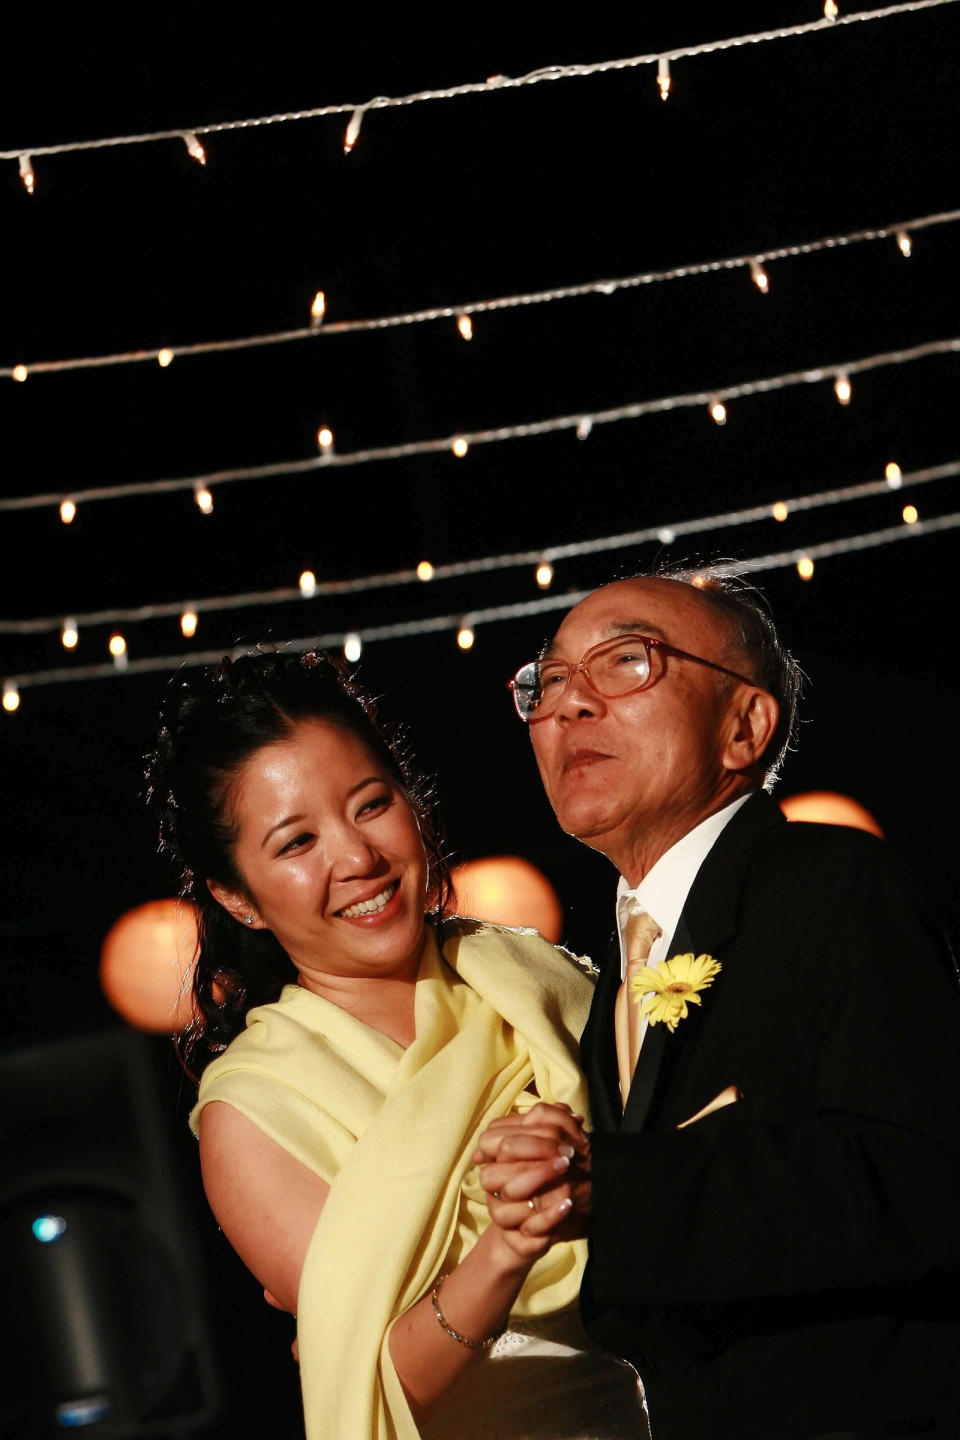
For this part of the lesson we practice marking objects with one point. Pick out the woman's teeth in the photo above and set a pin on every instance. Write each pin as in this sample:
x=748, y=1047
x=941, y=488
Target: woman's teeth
x=369, y=907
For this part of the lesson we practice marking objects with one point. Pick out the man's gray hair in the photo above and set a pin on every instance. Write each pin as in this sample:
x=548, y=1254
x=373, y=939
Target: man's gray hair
x=753, y=636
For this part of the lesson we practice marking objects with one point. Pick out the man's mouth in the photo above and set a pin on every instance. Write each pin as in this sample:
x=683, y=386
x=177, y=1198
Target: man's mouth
x=377, y=902
x=577, y=758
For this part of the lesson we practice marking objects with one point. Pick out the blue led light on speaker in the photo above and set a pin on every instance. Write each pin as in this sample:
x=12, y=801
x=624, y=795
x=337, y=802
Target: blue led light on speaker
x=88, y=1411
x=47, y=1228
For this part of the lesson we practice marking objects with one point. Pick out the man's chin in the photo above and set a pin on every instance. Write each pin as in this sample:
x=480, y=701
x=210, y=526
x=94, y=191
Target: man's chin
x=585, y=825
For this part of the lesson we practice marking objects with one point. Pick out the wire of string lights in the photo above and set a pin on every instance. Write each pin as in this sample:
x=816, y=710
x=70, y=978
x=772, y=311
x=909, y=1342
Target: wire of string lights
x=24, y=154
x=803, y=559
x=901, y=230
x=581, y=421
x=664, y=532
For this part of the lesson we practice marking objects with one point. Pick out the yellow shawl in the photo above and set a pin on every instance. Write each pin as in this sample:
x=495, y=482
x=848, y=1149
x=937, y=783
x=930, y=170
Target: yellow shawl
x=393, y=1131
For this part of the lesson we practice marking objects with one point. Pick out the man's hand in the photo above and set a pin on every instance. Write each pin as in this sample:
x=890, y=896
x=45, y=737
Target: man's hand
x=535, y=1169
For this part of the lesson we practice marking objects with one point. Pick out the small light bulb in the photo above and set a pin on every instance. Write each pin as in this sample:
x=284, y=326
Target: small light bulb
x=352, y=647
x=164, y=357
x=188, y=623
x=325, y=439
x=894, y=475
x=584, y=427
x=67, y=511
x=830, y=10
x=718, y=413
x=460, y=447
x=204, y=499
x=904, y=242
x=910, y=514
x=842, y=389
x=465, y=326
x=760, y=277
x=353, y=130
x=424, y=570
x=780, y=511
x=805, y=568
x=26, y=173
x=194, y=148
x=308, y=583
x=544, y=574
x=663, y=76
x=69, y=635
x=666, y=536
x=318, y=309
x=117, y=645
x=465, y=636
x=11, y=696
x=20, y=373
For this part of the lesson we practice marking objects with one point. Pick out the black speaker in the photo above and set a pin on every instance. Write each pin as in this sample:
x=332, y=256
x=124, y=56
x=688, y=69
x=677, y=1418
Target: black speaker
x=105, y=1322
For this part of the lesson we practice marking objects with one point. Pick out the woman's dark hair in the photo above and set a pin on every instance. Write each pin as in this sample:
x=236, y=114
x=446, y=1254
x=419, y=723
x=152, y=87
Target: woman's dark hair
x=208, y=726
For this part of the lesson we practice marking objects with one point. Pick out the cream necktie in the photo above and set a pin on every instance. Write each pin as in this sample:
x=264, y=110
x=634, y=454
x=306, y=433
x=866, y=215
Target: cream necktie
x=642, y=930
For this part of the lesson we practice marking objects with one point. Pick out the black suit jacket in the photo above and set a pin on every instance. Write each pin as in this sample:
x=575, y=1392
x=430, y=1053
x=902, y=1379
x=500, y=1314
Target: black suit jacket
x=789, y=1265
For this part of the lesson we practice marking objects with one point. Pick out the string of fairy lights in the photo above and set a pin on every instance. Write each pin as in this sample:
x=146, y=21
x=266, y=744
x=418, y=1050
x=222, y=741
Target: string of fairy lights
x=830, y=19
x=463, y=625
x=542, y=560
x=715, y=400
x=903, y=231
x=352, y=641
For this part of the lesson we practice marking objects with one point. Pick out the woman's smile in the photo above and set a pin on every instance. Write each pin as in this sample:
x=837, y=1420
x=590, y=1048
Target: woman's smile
x=378, y=907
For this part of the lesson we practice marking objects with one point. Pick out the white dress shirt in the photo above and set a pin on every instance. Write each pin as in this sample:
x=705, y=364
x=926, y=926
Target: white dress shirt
x=664, y=889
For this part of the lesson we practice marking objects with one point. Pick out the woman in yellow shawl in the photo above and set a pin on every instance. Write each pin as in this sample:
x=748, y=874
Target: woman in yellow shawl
x=350, y=1053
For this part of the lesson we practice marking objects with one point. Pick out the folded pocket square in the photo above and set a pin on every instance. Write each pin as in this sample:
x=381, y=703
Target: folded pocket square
x=726, y=1097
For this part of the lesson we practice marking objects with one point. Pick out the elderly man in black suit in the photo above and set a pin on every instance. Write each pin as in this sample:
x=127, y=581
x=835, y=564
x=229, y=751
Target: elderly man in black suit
x=771, y=1188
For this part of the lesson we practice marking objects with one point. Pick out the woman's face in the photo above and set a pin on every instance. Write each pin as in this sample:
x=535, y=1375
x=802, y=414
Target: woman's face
x=331, y=856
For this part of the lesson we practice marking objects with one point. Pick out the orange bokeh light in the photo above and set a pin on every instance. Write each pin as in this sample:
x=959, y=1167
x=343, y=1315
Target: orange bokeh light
x=828, y=808
x=146, y=961
x=508, y=890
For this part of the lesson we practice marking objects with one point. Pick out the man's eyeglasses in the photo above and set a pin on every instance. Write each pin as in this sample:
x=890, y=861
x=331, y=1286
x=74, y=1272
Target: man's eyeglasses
x=613, y=668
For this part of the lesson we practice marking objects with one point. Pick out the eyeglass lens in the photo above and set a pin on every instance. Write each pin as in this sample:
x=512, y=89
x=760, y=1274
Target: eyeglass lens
x=613, y=669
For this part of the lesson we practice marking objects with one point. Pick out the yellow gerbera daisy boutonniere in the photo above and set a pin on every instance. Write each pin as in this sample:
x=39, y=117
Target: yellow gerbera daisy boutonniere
x=672, y=986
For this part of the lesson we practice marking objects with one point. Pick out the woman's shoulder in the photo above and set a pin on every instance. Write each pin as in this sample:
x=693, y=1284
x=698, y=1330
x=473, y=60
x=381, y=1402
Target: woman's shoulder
x=525, y=943
x=276, y=1040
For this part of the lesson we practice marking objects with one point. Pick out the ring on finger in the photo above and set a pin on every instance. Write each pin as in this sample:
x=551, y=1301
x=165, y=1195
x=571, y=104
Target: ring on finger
x=495, y=1194
x=532, y=1204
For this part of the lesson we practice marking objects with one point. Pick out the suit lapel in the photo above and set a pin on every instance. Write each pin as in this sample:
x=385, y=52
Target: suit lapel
x=710, y=913
x=707, y=922
x=597, y=1051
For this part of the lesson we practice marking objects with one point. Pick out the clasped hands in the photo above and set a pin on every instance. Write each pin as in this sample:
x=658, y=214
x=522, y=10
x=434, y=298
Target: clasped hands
x=535, y=1170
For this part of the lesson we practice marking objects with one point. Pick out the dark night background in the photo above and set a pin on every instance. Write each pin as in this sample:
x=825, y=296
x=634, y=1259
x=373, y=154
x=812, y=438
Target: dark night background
x=444, y=202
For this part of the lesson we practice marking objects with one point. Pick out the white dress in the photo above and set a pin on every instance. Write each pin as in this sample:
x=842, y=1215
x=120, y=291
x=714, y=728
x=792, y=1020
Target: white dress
x=545, y=1380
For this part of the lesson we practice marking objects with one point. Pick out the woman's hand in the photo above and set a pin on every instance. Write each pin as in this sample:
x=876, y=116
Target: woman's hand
x=556, y=1121
x=536, y=1173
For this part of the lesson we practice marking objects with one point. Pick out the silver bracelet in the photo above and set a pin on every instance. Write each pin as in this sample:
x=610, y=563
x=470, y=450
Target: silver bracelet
x=455, y=1334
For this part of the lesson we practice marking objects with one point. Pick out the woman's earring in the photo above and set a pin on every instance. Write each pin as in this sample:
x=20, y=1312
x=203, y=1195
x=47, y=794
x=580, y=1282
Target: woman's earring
x=249, y=919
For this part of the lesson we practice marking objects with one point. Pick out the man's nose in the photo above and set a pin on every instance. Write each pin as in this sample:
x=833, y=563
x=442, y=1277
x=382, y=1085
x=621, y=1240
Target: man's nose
x=579, y=699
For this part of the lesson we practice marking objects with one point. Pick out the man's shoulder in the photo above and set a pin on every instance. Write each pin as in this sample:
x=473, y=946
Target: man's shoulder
x=768, y=836
x=828, y=844
x=767, y=860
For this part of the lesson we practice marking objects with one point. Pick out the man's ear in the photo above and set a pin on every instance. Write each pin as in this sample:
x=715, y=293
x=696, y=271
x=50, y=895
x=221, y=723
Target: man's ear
x=752, y=720
x=236, y=904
